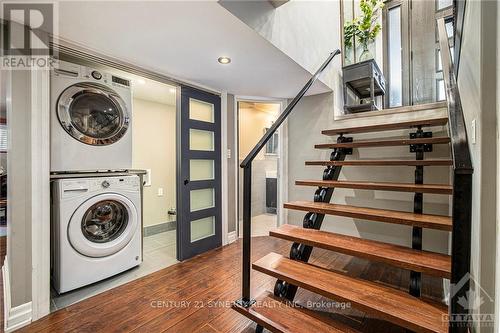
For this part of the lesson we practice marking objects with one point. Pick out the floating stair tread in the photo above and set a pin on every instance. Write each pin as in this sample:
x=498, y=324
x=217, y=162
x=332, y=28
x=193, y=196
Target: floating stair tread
x=384, y=143
x=387, y=126
x=281, y=317
x=390, y=304
x=435, y=264
x=438, y=162
x=438, y=222
x=381, y=186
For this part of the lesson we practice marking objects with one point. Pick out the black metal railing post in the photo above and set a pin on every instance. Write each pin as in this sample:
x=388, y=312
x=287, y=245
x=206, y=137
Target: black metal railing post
x=247, y=233
x=246, y=165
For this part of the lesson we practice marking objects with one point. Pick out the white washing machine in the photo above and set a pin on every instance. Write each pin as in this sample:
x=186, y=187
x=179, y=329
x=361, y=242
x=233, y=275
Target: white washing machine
x=91, y=115
x=96, y=229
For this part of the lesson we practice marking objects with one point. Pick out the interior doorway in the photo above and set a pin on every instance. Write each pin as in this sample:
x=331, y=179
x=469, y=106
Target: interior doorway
x=254, y=118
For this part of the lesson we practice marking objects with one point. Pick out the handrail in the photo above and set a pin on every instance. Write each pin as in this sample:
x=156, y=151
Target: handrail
x=462, y=191
x=245, y=299
x=458, y=132
x=262, y=142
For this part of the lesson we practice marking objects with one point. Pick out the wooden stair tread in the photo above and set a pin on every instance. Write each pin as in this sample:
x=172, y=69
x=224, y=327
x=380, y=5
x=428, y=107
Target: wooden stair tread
x=388, y=303
x=438, y=222
x=421, y=261
x=382, y=186
x=384, y=143
x=387, y=126
x=280, y=317
x=437, y=162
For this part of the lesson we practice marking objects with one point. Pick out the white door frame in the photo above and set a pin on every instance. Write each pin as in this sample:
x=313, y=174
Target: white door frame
x=282, y=160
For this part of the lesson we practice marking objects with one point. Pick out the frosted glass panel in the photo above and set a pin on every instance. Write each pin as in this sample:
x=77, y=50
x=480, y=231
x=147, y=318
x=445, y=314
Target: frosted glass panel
x=201, y=111
x=395, y=57
x=202, y=199
x=201, y=170
x=201, y=140
x=202, y=228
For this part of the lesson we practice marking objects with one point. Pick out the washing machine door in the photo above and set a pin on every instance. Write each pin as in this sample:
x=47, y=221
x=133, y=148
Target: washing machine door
x=103, y=225
x=93, y=114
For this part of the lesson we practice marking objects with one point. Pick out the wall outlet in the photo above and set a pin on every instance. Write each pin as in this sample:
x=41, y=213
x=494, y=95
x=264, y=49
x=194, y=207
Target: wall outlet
x=473, y=132
x=160, y=191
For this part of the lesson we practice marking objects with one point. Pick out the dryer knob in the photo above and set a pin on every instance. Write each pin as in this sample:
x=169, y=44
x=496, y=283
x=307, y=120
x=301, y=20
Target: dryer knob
x=96, y=75
x=105, y=184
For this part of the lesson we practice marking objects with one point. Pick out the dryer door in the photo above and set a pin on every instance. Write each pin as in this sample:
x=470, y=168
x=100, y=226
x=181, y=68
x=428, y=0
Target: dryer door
x=103, y=225
x=93, y=114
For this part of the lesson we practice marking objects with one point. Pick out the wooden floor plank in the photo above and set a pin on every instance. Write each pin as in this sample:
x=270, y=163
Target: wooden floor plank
x=381, y=186
x=387, y=126
x=437, y=162
x=438, y=222
x=387, y=303
x=421, y=261
x=384, y=143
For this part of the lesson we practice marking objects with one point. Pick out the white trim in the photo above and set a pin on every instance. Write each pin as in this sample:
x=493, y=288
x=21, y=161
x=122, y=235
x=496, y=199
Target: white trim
x=232, y=237
x=224, y=170
x=282, y=160
x=40, y=195
x=14, y=318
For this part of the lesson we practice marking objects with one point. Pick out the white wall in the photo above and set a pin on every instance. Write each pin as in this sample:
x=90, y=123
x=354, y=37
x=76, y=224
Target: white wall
x=477, y=85
x=19, y=190
x=154, y=147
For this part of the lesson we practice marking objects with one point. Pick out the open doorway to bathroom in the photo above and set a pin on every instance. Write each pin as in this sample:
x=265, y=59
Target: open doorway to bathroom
x=254, y=119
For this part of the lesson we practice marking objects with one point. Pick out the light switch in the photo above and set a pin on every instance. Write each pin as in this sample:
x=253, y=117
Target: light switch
x=160, y=191
x=229, y=153
x=473, y=132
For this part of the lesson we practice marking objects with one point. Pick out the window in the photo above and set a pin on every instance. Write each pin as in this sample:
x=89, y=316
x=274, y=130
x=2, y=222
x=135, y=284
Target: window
x=272, y=144
x=395, y=57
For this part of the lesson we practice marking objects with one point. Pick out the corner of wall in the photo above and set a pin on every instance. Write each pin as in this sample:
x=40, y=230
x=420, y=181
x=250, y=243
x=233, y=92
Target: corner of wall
x=19, y=316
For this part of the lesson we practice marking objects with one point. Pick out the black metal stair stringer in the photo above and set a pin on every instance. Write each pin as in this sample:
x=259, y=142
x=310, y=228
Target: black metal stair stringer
x=312, y=220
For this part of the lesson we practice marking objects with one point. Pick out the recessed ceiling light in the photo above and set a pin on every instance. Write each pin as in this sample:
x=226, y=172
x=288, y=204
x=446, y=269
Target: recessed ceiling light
x=224, y=60
x=141, y=81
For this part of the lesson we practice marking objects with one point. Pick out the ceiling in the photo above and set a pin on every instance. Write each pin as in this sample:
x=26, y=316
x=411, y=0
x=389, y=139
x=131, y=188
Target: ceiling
x=183, y=39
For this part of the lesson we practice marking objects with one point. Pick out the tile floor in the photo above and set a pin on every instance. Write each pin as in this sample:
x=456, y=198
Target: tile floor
x=261, y=224
x=159, y=252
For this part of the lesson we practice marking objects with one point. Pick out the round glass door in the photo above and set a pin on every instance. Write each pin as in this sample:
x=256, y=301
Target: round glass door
x=103, y=225
x=104, y=221
x=93, y=114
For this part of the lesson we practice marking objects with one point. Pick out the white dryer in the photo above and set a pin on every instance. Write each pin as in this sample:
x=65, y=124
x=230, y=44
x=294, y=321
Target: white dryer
x=96, y=229
x=91, y=115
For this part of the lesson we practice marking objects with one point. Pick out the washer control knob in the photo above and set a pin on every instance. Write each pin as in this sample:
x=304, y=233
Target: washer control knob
x=96, y=75
x=105, y=184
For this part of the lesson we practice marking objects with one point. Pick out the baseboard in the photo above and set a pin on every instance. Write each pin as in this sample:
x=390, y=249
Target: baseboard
x=232, y=237
x=19, y=316
x=159, y=228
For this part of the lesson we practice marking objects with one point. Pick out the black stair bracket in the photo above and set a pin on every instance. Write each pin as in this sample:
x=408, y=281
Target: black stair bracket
x=314, y=220
x=418, y=202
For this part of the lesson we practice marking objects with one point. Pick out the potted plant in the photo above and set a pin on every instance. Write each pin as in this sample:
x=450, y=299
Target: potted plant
x=365, y=27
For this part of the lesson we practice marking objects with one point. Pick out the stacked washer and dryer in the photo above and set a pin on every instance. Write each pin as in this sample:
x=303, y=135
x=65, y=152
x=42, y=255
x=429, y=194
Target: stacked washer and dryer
x=96, y=203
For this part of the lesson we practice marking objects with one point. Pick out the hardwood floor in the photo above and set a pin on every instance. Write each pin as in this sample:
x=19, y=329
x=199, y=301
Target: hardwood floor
x=196, y=295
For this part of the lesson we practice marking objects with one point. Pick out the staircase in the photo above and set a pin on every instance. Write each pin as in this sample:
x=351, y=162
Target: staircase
x=278, y=312
x=385, y=302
